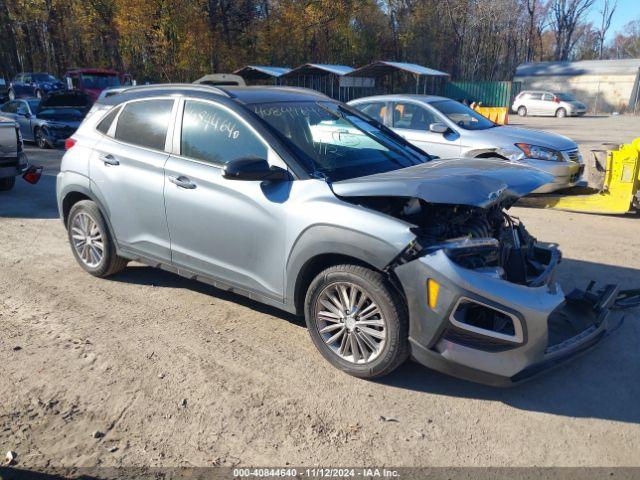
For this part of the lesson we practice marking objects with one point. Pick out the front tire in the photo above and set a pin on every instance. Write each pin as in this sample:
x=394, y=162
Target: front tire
x=7, y=183
x=522, y=111
x=91, y=241
x=40, y=139
x=357, y=321
x=561, y=113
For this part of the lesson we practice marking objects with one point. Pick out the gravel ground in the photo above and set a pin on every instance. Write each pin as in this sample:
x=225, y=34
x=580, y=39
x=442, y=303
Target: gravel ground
x=176, y=373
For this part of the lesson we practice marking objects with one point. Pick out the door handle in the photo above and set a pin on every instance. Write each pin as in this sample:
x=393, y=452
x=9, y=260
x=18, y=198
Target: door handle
x=109, y=159
x=182, y=182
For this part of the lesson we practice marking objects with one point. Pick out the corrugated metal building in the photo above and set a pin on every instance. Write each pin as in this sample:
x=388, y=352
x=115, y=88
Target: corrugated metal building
x=604, y=85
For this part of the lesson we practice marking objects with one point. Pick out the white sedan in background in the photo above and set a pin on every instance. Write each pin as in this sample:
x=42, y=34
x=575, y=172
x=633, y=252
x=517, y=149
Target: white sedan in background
x=448, y=129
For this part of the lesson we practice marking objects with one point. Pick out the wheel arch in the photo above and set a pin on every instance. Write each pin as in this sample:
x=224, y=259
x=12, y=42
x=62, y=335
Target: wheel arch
x=313, y=267
x=324, y=246
x=77, y=194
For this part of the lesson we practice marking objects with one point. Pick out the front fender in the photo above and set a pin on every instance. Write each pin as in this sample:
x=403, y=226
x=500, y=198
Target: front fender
x=326, y=239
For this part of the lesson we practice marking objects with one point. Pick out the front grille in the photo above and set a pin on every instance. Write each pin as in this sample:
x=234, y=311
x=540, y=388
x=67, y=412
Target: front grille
x=574, y=155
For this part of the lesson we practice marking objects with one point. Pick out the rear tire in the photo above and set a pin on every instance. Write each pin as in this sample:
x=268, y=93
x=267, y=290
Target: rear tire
x=374, y=322
x=7, y=183
x=97, y=253
x=522, y=111
x=561, y=113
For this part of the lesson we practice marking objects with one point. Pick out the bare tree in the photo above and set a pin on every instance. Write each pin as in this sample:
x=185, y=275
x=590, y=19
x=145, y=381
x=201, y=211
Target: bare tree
x=605, y=22
x=566, y=15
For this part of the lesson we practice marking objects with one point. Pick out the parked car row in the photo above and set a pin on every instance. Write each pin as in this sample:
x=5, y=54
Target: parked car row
x=47, y=110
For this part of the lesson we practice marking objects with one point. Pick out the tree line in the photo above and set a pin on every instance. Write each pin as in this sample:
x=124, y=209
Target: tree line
x=179, y=40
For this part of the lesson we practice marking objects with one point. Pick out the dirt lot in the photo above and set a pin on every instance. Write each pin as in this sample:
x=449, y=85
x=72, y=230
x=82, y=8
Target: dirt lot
x=178, y=373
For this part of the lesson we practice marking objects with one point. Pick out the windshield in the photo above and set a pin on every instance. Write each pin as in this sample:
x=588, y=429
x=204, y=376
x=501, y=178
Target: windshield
x=101, y=81
x=43, y=77
x=334, y=142
x=462, y=115
x=565, y=97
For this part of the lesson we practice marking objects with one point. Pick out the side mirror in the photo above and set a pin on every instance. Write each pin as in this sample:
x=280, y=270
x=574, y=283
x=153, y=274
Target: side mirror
x=253, y=169
x=438, y=128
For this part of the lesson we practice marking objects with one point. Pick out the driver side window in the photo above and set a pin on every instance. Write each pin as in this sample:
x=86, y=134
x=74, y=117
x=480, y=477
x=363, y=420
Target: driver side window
x=215, y=135
x=412, y=117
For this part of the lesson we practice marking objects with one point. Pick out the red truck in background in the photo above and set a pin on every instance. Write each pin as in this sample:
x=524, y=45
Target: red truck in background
x=93, y=81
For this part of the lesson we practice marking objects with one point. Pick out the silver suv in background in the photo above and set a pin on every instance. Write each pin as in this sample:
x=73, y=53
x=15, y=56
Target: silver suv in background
x=449, y=129
x=298, y=201
x=549, y=104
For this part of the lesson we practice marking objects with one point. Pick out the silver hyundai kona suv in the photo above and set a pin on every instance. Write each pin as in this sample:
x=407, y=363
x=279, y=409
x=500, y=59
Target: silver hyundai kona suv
x=303, y=203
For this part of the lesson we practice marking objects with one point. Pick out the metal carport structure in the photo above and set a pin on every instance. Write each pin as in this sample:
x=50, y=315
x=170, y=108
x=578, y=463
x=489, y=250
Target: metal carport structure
x=322, y=77
x=384, y=77
x=262, y=74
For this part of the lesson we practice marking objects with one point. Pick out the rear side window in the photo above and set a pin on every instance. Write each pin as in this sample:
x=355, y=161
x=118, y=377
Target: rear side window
x=215, y=135
x=145, y=123
x=375, y=110
x=105, y=123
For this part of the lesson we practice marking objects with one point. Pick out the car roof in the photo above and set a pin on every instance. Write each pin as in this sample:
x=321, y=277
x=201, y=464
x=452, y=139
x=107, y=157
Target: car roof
x=401, y=96
x=246, y=95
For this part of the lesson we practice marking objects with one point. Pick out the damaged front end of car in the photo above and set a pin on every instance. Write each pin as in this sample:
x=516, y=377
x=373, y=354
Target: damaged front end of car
x=481, y=292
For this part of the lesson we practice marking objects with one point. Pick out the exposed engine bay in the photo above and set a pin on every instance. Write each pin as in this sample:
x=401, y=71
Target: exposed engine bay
x=483, y=239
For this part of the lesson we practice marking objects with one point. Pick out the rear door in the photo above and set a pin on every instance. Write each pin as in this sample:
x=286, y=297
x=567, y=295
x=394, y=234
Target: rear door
x=412, y=121
x=127, y=174
x=534, y=103
x=230, y=230
x=548, y=104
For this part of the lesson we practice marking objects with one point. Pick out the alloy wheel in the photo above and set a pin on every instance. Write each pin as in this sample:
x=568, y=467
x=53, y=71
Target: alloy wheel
x=40, y=140
x=350, y=323
x=87, y=240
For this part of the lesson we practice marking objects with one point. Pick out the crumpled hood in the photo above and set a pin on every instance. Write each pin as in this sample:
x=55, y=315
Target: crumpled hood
x=474, y=182
x=514, y=135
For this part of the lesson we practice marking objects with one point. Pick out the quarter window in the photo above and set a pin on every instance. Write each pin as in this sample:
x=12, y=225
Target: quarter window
x=145, y=123
x=105, y=123
x=212, y=134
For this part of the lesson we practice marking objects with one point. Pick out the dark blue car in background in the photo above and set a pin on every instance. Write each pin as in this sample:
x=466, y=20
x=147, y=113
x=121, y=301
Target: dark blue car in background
x=34, y=85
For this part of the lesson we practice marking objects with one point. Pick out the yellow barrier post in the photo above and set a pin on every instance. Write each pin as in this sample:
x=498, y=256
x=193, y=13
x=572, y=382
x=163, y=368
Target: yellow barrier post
x=499, y=115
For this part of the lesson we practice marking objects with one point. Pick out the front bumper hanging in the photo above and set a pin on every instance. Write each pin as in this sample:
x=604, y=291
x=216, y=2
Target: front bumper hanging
x=489, y=330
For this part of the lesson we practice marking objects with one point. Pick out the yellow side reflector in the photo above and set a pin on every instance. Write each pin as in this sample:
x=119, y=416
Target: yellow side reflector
x=433, y=288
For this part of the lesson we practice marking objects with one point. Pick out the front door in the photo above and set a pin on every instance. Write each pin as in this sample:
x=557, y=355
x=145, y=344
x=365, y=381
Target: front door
x=412, y=121
x=127, y=174
x=230, y=230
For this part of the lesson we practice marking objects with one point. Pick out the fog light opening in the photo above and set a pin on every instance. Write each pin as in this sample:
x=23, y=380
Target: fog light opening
x=485, y=320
